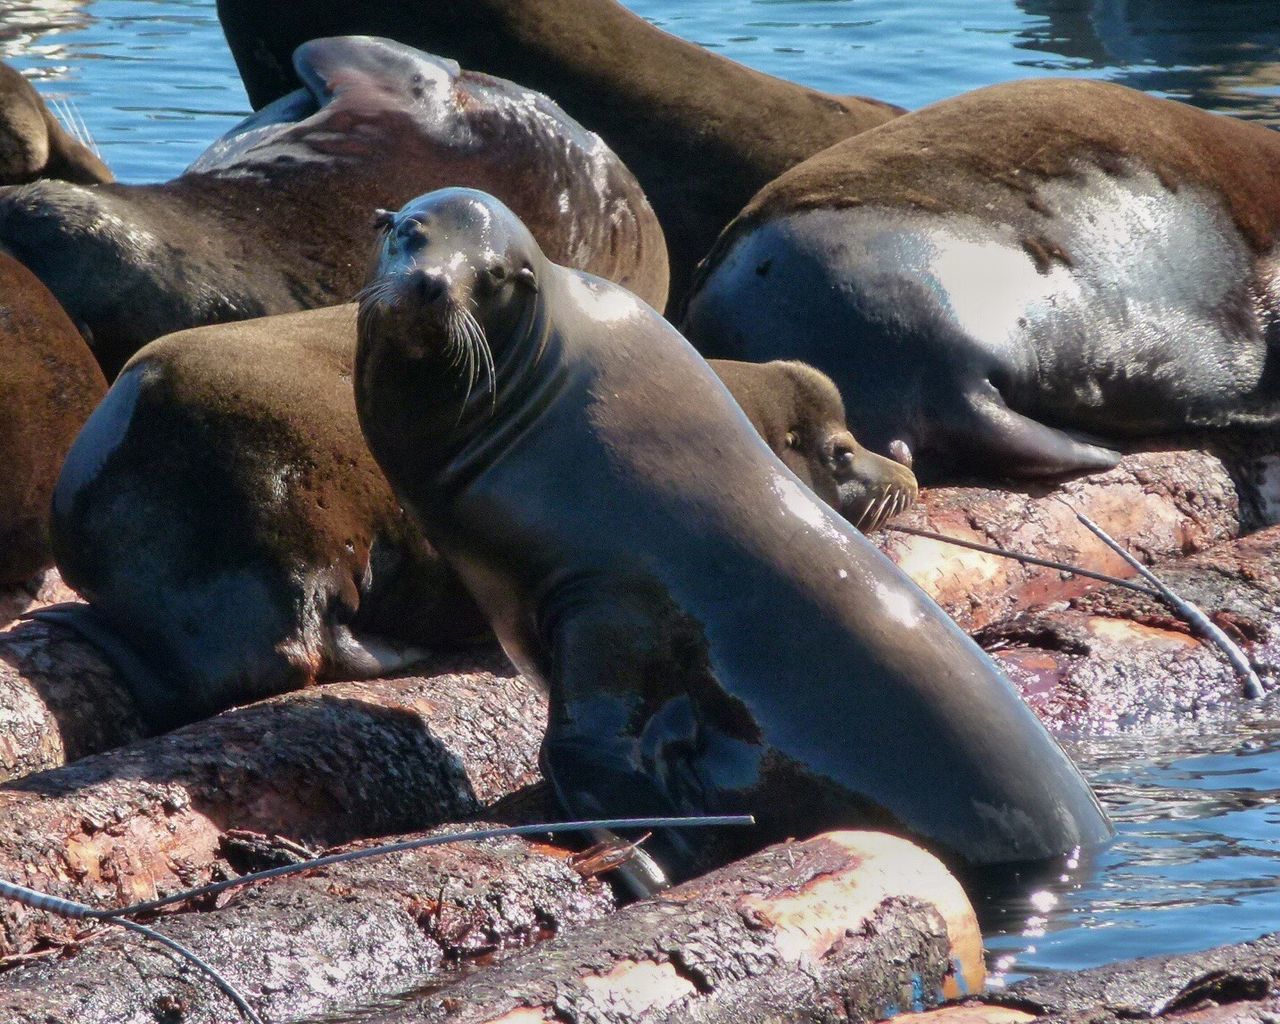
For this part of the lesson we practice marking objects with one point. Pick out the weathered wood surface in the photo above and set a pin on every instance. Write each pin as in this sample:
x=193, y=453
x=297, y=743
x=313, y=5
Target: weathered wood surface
x=843, y=927
x=1238, y=984
x=1157, y=504
x=1115, y=658
x=324, y=766
x=59, y=701
x=331, y=940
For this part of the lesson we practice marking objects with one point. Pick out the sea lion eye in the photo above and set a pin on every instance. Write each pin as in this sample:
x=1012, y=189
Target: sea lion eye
x=792, y=440
x=528, y=278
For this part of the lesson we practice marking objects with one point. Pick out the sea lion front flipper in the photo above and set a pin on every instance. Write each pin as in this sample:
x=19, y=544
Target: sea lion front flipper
x=368, y=656
x=158, y=703
x=1016, y=445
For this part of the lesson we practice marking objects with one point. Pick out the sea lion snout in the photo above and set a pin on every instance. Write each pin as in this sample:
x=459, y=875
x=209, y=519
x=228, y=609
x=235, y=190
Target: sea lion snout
x=431, y=285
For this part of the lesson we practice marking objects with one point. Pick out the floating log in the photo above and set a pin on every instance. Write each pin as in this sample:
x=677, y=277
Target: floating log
x=1157, y=504
x=1234, y=984
x=847, y=926
x=1117, y=658
x=325, y=942
x=324, y=766
x=59, y=701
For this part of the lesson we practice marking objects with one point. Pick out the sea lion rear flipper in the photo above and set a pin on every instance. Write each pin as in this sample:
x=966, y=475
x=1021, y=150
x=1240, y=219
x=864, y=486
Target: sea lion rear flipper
x=159, y=704
x=1016, y=445
x=580, y=768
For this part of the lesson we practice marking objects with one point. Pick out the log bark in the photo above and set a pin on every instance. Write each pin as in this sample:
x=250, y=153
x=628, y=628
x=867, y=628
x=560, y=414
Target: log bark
x=844, y=927
x=59, y=701
x=329, y=941
x=1233, y=984
x=1114, y=658
x=325, y=765
x=1158, y=504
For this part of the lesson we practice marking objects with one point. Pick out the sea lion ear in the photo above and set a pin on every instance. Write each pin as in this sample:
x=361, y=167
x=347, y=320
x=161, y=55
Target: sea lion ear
x=383, y=219
x=526, y=277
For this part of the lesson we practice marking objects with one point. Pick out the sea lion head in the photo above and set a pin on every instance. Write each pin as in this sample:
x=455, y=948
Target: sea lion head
x=798, y=411
x=455, y=269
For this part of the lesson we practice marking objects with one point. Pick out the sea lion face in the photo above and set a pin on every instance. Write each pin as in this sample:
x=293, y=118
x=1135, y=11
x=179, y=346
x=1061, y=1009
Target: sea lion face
x=455, y=270
x=798, y=411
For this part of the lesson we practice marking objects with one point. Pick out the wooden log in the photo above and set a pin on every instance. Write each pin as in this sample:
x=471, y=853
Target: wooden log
x=1158, y=504
x=59, y=701
x=325, y=765
x=844, y=927
x=1118, y=658
x=322, y=943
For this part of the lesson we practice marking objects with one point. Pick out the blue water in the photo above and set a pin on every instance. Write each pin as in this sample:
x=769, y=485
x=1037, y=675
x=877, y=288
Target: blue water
x=1197, y=859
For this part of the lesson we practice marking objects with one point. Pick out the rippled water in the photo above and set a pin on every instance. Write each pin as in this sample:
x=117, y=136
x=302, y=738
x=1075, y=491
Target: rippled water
x=1197, y=860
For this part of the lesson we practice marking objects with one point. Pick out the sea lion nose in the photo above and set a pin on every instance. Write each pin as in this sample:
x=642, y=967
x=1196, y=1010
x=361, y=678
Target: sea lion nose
x=430, y=286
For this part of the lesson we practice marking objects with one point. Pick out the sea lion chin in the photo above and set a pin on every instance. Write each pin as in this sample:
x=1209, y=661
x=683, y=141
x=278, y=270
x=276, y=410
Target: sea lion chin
x=714, y=638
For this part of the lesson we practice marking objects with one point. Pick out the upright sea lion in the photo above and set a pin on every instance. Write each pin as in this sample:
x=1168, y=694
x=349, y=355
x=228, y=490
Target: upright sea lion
x=713, y=637
x=700, y=132
x=235, y=538
x=32, y=142
x=271, y=218
x=989, y=275
x=49, y=384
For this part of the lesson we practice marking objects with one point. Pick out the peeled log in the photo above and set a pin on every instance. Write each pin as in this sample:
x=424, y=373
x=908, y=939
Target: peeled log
x=324, y=765
x=328, y=941
x=1118, y=658
x=847, y=926
x=59, y=701
x=1155, y=503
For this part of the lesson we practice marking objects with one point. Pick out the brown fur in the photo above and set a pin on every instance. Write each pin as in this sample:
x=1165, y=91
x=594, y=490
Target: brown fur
x=700, y=132
x=49, y=383
x=32, y=142
x=983, y=154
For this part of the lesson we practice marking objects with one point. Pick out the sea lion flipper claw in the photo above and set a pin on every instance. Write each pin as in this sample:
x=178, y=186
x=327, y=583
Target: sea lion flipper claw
x=1024, y=447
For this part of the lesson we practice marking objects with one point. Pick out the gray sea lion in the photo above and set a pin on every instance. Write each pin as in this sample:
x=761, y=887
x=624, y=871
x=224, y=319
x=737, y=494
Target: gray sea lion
x=49, y=383
x=990, y=277
x=274, y=216
x=713, y=637
x=701, y=133
x=33, y=144
x=235, y=538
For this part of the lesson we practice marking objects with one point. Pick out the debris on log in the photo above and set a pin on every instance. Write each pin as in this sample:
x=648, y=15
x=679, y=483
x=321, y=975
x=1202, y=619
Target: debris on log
x=1157, y=504
x=42, y=590
x=1114, y=658
x=848, y=926
x=332, y=940
x=59, y=701
x=324, y=766
x=1234, y=984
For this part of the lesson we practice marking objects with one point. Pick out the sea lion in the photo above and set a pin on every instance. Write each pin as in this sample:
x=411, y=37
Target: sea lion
x=235, y=538
x=32, y=142
x=269, y=219
x=798, y=412
x=702, y=133
x=49, y=383
x=714, y=638
x=989, y=276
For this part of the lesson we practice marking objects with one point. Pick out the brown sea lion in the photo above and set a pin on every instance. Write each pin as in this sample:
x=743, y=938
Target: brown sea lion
x=224, y=517
x=273, y=217
x=702, y=133
x=714, y=638
x=34, y=145
x=49, y=383
x=798, y=412
x=988, y=277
